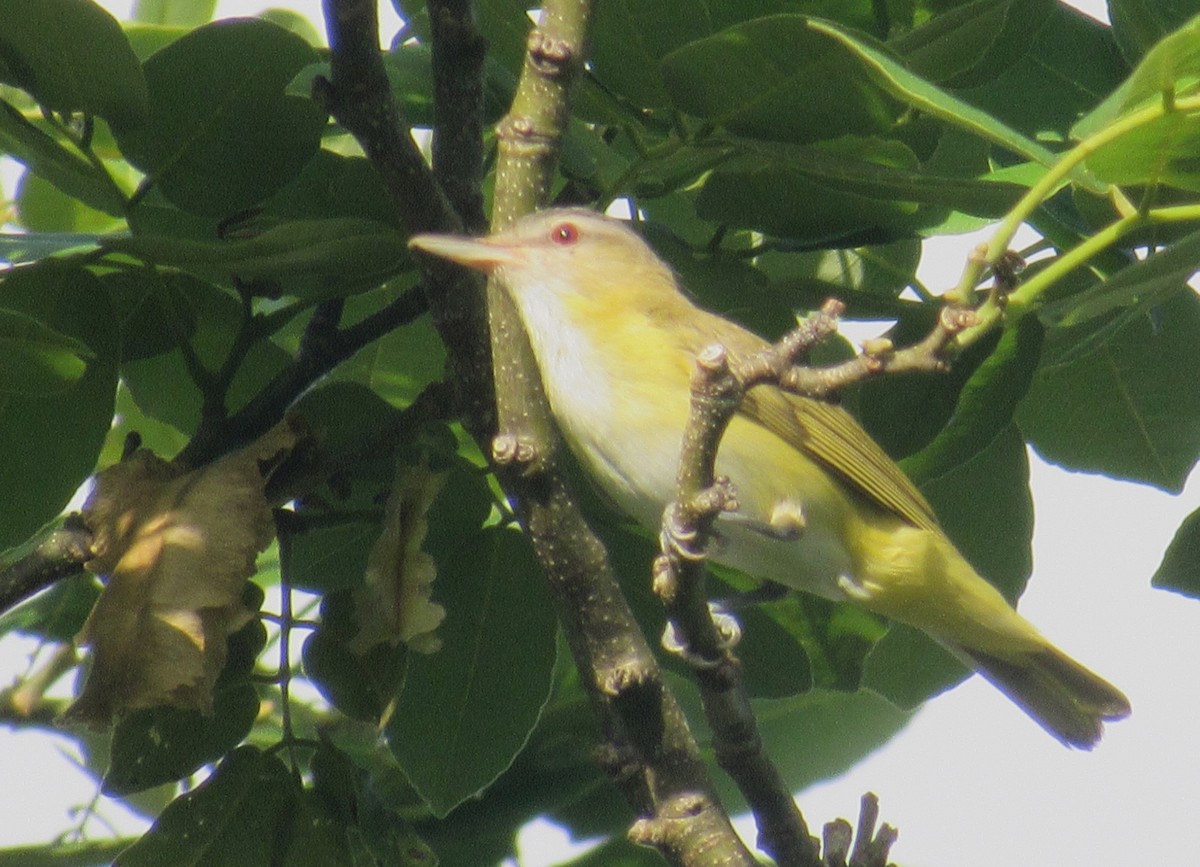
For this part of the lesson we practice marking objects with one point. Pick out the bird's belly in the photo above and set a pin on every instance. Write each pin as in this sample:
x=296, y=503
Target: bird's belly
x=638, y=472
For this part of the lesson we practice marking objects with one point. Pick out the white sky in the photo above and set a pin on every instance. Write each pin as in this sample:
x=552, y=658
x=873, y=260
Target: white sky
x=971, y=781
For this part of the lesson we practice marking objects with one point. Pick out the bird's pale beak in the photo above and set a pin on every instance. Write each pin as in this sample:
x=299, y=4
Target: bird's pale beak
x=482, y=254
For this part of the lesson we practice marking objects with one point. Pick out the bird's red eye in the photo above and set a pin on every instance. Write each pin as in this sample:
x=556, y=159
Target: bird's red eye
x=564, y=233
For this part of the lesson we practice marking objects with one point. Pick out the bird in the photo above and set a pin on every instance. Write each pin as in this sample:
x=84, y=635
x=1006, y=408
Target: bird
x=821, y=507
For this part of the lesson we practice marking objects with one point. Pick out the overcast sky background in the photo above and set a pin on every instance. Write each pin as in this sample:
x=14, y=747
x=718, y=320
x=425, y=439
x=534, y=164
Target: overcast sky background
x=971, y=782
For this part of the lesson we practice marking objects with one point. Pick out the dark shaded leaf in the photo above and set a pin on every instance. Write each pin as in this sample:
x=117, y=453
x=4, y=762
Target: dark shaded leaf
x=35, y=359
x=56, y=436
x=308, y=258
x=1130, y=408
x=986, y=404
x=1071, y=64
x=778, y=78
x=72, y=56
x=1180, y=567
x=222, y=133
x=462, y=716
x=250, y=813
x=629, y=38
x=1140, y=24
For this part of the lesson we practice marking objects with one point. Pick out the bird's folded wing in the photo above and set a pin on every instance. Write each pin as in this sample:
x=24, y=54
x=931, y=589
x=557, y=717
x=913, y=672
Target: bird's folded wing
x=830, y=435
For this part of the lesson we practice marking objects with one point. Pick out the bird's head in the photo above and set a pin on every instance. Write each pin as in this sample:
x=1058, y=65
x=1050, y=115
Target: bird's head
x=570, y=253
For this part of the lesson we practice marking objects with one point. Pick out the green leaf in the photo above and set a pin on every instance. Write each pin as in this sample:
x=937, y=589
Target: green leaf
x=1139, y=25
x=1148, y=282
x=161, y=745
x=1072, y=63
x=223, y=134
x=242, y=815
x=630, y=37
x=890, y=74
x=985, y=406
x=778, y=78
x=883, y=270
x=175, y=13
x=71, y=56
x=163, y=385
x=844, y=188
x=310, y=258
x=837, y=728
x=1170, y=69
x=51, y=160
x=51, y=441
x=360, y=685
x=1180, y=567
x=986, y=510
x=1137, y=389
x=468, y=709
x=973, y=43
x=36, y=359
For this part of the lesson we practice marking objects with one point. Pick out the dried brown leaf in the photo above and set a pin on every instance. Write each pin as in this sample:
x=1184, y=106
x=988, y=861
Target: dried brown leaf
x=394, y=603
x=176, y=549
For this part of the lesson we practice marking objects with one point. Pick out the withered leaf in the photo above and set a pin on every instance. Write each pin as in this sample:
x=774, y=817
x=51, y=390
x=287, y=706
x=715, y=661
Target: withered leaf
x=394, y=605
x=176, y=549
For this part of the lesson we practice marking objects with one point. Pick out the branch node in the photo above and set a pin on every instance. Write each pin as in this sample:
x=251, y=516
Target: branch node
x=729, y=633
x=513, y=449
x=551, y=57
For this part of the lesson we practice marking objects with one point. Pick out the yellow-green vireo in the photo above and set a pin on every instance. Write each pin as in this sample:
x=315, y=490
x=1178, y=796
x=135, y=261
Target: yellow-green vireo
x=616, y=340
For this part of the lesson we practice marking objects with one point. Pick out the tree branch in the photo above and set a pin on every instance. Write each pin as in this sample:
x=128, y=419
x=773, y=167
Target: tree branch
x=59, y=555
x=650, y=752
x=357, y=94
x=458, y=52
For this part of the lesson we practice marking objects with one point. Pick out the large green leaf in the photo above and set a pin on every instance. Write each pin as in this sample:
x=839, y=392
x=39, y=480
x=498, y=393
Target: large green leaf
x=1144, y=284
x=249, y=813
x=1160, y=152
x=985, y=406
x=778, y=78
x=49, y=442
x=903, y=84
x=223, y=133
x=1129, y=409
x=973, y=43
x=630, y=37
x=72, y=56
x=1071, y=64
x=309, y=258
x=466, y=711
x=35, y=359
x=1180, y=567
x=163, y=385
x=848, y=187
x=174, y=13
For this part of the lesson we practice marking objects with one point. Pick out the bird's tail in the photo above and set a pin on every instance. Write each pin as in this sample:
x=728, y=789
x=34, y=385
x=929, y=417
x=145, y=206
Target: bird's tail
x=1066, y=699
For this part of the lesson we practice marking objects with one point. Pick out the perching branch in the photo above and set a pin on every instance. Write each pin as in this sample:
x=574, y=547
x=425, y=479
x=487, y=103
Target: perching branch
x=718, y=387
x=649, y=750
